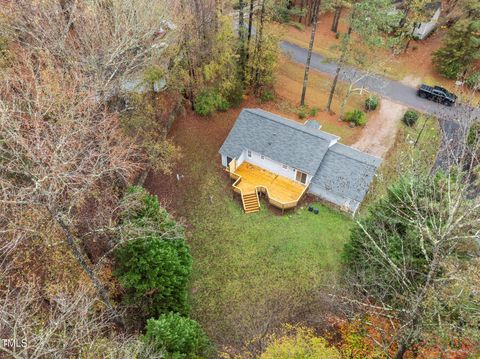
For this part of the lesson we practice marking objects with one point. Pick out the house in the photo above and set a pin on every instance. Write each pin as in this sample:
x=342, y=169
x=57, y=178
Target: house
x=282, y=159
x=432, y=12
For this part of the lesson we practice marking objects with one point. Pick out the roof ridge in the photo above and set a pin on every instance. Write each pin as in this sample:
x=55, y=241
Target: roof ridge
x=288, y=123
x=351, y=158
x=357, y=150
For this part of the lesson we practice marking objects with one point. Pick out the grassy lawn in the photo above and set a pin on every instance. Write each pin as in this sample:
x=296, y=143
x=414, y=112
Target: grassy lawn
x=251, y=272
x=260, y=267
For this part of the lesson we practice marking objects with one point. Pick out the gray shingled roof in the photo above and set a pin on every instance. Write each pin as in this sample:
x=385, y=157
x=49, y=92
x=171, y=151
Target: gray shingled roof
x=279, y=139
x=346, y=172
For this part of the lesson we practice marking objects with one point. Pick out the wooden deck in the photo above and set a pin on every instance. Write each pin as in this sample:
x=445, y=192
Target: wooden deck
x=282, y=192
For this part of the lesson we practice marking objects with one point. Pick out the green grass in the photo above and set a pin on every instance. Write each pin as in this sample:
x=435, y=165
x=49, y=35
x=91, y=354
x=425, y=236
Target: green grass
x=255, y=268
x=251, y=273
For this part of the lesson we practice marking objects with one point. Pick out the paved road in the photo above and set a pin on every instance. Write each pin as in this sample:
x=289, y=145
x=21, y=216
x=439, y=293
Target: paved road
x=453, y=120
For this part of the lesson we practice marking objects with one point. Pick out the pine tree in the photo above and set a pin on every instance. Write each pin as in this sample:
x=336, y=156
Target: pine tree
x=461, y=46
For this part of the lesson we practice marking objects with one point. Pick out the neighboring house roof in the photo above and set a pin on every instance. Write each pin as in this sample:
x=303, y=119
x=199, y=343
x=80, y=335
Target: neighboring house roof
x=279, y=139
x=346, y=172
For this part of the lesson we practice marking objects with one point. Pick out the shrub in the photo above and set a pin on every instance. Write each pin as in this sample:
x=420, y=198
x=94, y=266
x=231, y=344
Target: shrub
x=178, y=336
x=371, y=103
x=356, y=117
x=154, y=273
x=154, y=264
x=267, y=95
x=410, y=118
x=234, y=95
x=302, y=112
x=143, y=215
x=473, y=80
x=209, y=101
x=314, y=111
x=299, y=342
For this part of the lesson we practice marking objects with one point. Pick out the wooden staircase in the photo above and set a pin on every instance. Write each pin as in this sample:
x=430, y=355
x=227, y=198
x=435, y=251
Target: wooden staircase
x=251, y=203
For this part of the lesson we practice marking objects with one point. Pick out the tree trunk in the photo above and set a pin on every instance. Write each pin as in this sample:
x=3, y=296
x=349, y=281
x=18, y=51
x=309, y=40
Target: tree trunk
x=250, y=21
x=402, y=348
x=337, y=73
x=256, y=84
x=241, y=35
x=414, y=315
x=77, y=253
x=316, y=6
x=302, y=6
x=240, y=20
x=249, y=34
x=336, y=18
x=311, y=12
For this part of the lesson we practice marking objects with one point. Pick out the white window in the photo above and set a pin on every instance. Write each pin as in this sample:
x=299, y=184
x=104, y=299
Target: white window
x=249, y=153
x=263, y=157
x=285, y=166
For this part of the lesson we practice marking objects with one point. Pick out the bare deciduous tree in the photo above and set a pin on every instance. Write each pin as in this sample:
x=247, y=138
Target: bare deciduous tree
x=413, y=255
x=58, y=145
x=72, y=325
x=109, y=42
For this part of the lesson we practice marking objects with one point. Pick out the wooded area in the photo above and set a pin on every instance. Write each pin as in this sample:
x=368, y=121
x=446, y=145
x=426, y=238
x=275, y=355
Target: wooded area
x=92, y=264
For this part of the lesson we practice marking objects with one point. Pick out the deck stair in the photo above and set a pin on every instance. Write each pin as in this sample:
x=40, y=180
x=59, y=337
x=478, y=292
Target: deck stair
x=251, y=203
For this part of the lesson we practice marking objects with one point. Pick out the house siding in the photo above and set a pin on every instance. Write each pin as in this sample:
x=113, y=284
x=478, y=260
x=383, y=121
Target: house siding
x=273, y=166
x=343, y=202
x=426, y=28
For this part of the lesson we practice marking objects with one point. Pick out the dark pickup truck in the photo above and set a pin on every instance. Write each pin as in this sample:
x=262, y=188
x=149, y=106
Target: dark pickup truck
x=437, y=94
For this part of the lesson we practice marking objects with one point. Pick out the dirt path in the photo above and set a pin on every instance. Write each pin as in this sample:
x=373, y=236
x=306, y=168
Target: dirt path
x=379, y=133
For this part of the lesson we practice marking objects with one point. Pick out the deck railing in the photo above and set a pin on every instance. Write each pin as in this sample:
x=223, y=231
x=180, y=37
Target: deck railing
x=273, y=201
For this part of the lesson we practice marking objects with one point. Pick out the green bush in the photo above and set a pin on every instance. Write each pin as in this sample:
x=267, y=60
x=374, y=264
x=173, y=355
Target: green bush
x=209, y=101
x=356, y=117
x=302, y=112
x=177, y=336
x=314, y=111
x=154, y=273
x=371, y=103
x=154, y=264
x=267, y=95
x=410, y=118
x=143, y=215
x=473, y=80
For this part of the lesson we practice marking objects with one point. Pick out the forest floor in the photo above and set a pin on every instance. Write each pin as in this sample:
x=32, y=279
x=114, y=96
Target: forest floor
x=411, y=67
x=288, y=88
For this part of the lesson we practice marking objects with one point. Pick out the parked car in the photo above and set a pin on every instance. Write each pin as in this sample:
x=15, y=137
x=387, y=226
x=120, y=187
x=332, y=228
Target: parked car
x=437, y=94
